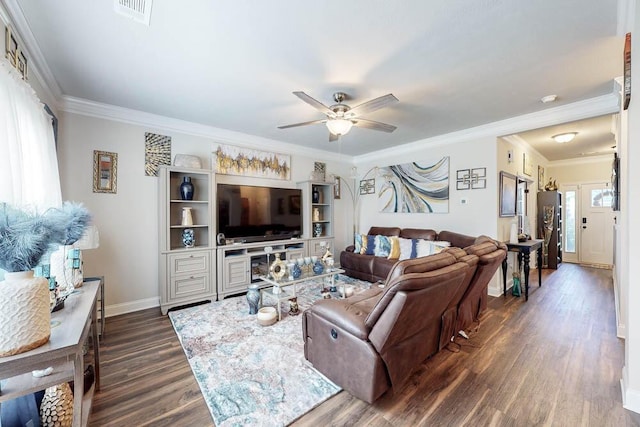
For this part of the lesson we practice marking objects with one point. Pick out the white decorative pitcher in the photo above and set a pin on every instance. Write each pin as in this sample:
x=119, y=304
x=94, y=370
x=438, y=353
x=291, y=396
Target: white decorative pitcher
x=25, y=316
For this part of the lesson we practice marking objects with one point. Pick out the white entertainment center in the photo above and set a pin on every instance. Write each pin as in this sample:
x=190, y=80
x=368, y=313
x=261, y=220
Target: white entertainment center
x=211, y=271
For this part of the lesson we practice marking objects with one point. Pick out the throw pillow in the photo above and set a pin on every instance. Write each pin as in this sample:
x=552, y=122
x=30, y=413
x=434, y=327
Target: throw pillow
x=394, y=252
x=430, y=247
x=370, y=245
x=382, y=246
x=407, y=248
x=358, y=243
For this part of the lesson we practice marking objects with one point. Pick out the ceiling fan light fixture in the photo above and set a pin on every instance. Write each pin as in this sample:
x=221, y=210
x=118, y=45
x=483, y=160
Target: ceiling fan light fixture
x=339, y=127
x=564, y=137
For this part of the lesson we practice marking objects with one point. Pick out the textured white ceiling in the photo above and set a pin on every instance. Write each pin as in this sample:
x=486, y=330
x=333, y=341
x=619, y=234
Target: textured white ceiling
x=233, y=64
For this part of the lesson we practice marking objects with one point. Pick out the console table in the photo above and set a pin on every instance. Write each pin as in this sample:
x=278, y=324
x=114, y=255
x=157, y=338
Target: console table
x=524, y=250
x=70, y=329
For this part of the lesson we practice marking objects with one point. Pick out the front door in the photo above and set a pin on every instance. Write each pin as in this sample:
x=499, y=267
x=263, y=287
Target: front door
x=596, y=224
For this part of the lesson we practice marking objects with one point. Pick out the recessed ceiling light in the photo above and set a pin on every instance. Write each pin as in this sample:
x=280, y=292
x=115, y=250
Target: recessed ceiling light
x=564, y=137
x=548, y=98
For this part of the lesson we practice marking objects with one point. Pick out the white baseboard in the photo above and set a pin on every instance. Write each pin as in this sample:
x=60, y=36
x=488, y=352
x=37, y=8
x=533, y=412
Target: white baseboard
x=129, y=307
x=630, y=397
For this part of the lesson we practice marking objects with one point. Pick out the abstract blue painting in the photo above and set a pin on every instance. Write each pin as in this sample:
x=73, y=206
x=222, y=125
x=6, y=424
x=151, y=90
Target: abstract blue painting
x=417, y=187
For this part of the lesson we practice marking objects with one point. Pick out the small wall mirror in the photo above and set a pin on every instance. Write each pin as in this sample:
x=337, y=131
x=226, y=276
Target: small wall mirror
x=105, y=168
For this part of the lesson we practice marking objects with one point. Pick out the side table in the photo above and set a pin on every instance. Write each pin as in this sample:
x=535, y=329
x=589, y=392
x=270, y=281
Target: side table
x=524, y=250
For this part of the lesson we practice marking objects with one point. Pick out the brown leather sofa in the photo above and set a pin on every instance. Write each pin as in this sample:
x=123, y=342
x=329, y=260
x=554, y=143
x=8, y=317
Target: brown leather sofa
x=373, y=269
x=374, y=340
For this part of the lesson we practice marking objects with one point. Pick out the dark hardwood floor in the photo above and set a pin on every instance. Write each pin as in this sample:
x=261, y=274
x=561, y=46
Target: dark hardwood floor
x=554, y=360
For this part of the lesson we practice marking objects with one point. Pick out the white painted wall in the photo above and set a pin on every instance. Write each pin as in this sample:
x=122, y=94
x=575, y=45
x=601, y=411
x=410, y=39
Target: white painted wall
x=578, y=171
x=476, y=216
x=128, y=220
x=630, y=229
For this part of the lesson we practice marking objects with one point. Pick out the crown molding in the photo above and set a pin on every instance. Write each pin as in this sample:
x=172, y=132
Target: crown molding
x=593, y=107
x=517, y=141
x=99, y=110
x=38, y=67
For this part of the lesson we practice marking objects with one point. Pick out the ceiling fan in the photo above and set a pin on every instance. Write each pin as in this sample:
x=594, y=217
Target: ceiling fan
x=341, y=117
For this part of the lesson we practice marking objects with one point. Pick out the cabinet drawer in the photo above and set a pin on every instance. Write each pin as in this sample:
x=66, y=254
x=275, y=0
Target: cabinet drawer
x=189, y=263
x=187, y=286
x=237, y=273
x=316, y=249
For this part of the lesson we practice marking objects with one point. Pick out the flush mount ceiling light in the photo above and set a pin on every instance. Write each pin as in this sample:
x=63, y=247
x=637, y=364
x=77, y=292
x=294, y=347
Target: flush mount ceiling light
x=548, y=98
x=339, y=127
x=564, y=137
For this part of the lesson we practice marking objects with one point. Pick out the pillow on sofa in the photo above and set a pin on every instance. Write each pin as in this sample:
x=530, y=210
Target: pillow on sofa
x=394, y=252
x=430, y=247
x=382, y=246
x=364, y=244
x=407, y=248
x=358, y=243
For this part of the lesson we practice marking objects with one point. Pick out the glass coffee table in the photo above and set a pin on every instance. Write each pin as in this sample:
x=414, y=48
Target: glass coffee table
x=285, y=288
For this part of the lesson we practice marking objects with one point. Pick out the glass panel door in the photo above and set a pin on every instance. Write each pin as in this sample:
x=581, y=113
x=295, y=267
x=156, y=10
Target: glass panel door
x=570, y=212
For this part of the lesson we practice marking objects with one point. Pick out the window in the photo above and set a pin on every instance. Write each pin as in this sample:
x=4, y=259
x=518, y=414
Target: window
x=570, y=221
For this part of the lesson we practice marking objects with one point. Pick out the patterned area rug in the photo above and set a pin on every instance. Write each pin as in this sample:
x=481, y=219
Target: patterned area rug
x=250, y=374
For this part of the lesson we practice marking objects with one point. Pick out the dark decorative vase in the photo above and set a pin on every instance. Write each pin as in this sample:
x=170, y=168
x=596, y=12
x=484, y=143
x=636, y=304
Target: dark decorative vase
x=253, y=298
x=315, y=195
x=186, y=189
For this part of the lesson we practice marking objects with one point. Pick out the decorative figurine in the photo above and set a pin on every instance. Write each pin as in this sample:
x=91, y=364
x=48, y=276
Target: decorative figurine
x=293, y=306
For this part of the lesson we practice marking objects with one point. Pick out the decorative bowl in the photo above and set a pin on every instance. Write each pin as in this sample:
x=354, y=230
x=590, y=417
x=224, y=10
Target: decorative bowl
x=267, y=316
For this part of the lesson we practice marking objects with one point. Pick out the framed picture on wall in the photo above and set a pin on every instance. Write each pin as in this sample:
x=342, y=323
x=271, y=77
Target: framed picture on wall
x=540, y=178
x=508, y=189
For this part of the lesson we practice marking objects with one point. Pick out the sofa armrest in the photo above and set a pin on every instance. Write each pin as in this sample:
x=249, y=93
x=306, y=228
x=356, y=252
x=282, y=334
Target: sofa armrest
x=342, y=314
x=350, y=248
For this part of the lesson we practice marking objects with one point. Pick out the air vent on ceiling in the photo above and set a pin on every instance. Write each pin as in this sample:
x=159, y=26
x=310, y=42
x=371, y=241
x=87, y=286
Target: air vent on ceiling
x=138, y=10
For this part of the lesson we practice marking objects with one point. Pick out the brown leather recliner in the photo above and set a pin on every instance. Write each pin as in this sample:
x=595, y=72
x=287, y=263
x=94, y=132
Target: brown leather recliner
x=374, y=340
x=489, y=253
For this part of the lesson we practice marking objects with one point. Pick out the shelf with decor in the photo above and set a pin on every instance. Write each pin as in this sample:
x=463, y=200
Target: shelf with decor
x=187, y=259
x=317, y=206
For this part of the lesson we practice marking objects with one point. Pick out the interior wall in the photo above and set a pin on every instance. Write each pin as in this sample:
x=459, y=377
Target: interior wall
x=128, y=220
x=595, y=169
x=471, y=212
x=630, y=210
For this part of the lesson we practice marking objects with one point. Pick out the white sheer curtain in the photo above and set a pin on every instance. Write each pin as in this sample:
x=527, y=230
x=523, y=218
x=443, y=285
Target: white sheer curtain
x=28, y=162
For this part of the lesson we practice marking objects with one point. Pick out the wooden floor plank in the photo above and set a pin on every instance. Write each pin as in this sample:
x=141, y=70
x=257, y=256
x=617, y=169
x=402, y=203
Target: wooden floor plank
x=554, y=360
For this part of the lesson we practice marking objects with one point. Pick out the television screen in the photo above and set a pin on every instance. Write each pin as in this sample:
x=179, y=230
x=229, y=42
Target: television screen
x=252, y=213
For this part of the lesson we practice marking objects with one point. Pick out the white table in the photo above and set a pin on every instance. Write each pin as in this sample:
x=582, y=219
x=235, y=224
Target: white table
x=285, y=282
x=70, y=330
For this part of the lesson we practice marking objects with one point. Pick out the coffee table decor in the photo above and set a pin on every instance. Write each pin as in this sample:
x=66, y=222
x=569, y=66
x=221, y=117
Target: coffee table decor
x=250, y=374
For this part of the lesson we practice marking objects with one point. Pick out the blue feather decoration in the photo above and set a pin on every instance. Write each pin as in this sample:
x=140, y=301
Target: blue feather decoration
x=25, y=237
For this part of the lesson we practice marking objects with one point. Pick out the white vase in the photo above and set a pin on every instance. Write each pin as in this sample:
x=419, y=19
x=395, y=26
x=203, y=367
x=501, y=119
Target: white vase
x=25, y=316
x=187, y=218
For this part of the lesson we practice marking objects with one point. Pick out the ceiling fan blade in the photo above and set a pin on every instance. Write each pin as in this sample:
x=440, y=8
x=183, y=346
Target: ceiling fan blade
x=373, y=105
x=370, y=124
x=312, y=122
x=333, y=137
x=315, y=104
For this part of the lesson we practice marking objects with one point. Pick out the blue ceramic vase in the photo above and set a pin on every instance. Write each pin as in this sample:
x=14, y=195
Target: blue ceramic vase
x=296, y=272
x=253, y=298
x=186, y=189
x=188, y=238
x=318, y=267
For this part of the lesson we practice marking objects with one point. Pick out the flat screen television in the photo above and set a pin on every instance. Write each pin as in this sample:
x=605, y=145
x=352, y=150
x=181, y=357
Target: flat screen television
x=249, y=213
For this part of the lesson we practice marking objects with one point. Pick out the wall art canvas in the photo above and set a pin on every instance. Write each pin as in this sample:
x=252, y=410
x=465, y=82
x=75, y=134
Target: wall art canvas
x=157, y=151
x=417, y=187
x=231, y=160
